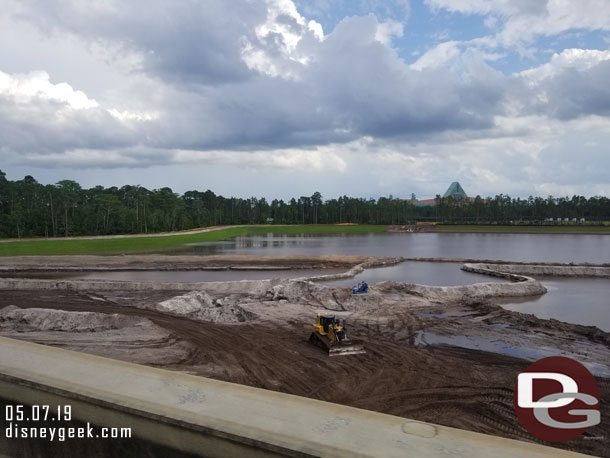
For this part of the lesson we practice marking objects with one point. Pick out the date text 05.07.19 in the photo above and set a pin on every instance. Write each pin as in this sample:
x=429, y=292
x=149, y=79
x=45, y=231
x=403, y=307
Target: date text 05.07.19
x=19, y=412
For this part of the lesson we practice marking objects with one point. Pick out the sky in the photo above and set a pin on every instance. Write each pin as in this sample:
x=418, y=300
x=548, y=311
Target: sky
x=282, y=98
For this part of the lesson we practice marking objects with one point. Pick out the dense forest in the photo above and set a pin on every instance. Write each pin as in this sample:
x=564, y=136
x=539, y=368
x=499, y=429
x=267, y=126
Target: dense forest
x=29, y=209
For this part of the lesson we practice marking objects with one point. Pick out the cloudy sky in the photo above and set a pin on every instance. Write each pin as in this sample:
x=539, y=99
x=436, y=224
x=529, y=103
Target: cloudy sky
x=281, y=98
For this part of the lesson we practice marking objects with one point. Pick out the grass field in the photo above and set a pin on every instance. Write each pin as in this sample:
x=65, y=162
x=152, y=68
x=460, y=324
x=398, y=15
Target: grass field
x=542, y=229
x=164, y=244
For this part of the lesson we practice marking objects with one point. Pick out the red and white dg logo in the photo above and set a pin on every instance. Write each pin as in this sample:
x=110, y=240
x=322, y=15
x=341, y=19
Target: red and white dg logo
x=557, y=399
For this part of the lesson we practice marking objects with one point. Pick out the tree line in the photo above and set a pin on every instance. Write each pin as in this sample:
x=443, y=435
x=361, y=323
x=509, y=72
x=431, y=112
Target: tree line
x=31, y=209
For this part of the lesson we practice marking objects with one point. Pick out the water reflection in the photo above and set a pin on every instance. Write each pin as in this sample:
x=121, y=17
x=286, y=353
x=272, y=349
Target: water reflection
x=424, y=273
x=575, y=300
x=510, y=247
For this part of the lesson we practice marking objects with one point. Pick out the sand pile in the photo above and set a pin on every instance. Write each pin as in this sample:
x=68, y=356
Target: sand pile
x=293, y=291
x=198, y=305
x=394, y=292
x=125, y=337
x=303, y=291
x=34, y=319
x=333, y=298
x=529, y=287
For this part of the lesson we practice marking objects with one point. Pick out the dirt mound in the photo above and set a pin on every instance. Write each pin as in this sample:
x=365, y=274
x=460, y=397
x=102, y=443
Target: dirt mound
x=293, y=291
x=337, y=299
x=198, y=305
x=302, y=291
x=496, y=314
x=26, y=320
x=528, y=287
x=186, y=304
x=544, y=269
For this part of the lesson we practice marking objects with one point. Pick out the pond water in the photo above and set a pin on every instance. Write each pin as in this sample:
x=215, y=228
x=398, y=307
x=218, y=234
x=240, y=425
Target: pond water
x=575, y=300
x=509, y=247
x=423, y=273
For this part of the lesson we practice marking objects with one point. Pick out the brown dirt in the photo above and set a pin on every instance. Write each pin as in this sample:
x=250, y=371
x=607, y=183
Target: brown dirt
x=131, y=338
x=176, y=262
x=453, y=386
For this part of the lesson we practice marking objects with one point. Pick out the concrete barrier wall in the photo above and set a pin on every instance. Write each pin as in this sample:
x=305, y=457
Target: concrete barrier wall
x=195, y=416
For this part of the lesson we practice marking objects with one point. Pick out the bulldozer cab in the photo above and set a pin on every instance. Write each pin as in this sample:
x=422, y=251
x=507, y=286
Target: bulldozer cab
x=326, y=321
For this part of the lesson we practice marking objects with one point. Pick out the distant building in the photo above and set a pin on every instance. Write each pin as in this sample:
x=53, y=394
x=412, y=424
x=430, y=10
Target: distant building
x=455, y=191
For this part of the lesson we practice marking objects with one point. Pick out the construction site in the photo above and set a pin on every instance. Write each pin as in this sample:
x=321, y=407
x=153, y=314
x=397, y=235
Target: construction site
x=447, y=355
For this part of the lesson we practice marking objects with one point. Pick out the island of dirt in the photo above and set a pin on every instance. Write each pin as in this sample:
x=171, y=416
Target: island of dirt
x=444, y=355
x=178, y=262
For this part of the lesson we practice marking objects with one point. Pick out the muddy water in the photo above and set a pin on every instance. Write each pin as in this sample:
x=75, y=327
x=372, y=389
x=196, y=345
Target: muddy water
x=509, y=247
x=574, y=300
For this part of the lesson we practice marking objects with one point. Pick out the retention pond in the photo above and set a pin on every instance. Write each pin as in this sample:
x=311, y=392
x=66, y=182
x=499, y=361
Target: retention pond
x=508, y=247
x=575, y=300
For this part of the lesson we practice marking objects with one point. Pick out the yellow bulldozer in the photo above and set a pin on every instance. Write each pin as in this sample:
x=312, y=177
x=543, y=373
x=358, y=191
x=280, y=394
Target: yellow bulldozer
x=329, y=334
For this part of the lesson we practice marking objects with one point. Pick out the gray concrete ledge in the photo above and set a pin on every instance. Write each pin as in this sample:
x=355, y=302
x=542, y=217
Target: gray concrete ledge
x=211, y=418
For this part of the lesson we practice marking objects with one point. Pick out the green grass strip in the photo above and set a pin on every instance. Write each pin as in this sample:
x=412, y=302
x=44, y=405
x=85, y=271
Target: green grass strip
x=132, y=245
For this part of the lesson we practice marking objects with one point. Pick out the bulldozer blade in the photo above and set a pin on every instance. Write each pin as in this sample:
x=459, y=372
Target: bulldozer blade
x=337, y=349
x=344, y=350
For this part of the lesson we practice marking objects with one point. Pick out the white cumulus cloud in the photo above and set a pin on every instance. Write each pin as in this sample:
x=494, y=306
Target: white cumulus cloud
x=26, y=88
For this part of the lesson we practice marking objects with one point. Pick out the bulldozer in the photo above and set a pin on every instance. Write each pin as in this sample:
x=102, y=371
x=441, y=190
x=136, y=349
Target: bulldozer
x=329, y=334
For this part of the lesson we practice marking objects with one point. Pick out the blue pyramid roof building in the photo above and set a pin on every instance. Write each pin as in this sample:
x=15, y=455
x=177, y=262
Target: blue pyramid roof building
x=456, y=191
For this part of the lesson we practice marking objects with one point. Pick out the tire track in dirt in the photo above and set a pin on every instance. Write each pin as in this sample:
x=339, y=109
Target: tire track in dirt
x=444, y=385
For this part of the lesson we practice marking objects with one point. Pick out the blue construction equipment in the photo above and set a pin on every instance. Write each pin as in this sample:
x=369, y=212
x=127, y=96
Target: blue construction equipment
x=361, y=288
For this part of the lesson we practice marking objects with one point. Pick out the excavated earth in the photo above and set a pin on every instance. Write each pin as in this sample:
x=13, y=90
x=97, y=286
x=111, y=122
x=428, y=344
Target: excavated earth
x=445, y=355
x=175, y=262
